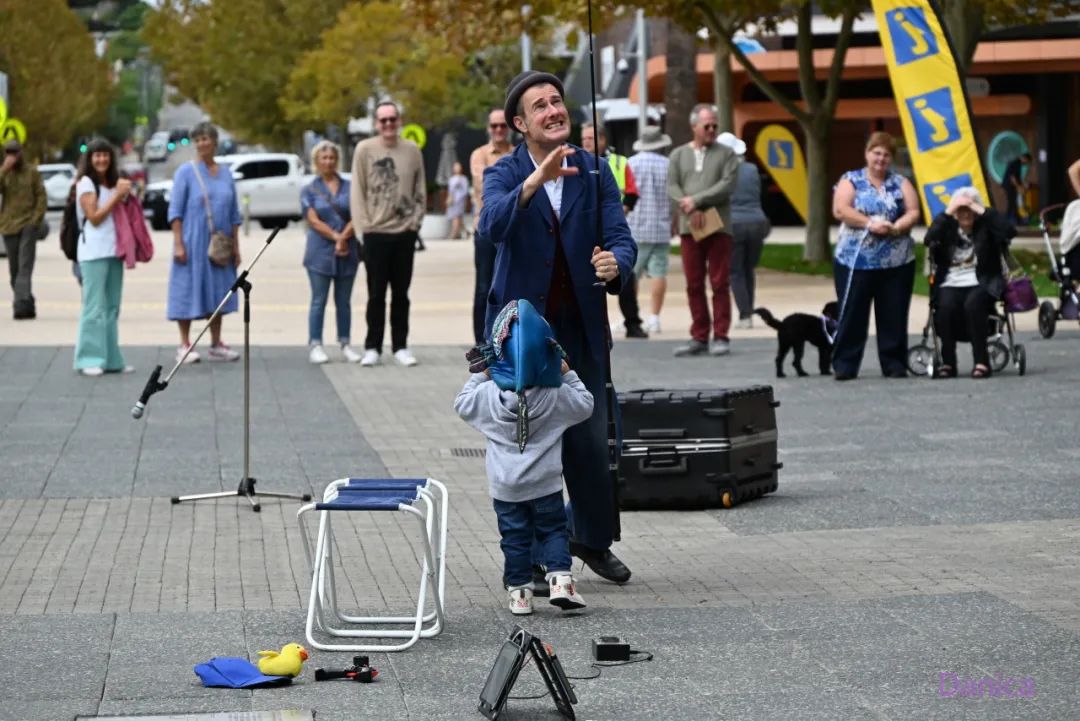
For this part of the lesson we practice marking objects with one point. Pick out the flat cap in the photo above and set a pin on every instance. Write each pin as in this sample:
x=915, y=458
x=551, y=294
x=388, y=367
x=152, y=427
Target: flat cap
x=521, y=83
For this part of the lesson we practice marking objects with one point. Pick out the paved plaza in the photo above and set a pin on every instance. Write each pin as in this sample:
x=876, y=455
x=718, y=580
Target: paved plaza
x=921, y=528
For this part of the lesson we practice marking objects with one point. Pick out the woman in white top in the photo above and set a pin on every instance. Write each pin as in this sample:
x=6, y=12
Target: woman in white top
x=98, y=190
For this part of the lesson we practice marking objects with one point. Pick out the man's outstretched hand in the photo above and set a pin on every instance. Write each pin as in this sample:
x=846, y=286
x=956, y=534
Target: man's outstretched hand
x=607, y=268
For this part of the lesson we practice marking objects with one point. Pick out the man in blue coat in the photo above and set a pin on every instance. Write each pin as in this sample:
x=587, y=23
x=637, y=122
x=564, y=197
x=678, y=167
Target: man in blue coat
x=540, y=205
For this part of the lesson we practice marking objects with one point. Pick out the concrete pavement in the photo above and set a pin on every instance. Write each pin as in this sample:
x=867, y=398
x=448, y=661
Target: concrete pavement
x=921, y=528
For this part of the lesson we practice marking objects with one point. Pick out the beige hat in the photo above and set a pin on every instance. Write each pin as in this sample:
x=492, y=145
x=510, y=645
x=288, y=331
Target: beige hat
x=652, y=139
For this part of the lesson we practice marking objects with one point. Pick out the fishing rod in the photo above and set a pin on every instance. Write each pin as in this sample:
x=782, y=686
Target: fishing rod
x=609, y=386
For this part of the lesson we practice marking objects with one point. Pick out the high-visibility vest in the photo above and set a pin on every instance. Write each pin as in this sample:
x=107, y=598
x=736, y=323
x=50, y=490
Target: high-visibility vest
x=617, y=163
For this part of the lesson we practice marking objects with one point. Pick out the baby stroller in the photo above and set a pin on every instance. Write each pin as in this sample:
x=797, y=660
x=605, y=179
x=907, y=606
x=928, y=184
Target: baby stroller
x=1068, y=307
x=925, y=357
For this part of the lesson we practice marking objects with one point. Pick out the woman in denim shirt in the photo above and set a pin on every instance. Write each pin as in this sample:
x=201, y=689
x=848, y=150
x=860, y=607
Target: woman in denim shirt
x=875, y=261
x=332, y=253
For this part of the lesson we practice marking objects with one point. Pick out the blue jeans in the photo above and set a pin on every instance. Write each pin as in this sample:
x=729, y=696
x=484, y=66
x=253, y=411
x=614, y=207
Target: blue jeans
x=542, y=520
x=320, y=291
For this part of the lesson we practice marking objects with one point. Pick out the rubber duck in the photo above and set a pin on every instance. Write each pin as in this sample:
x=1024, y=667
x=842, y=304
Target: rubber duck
x=287, y=662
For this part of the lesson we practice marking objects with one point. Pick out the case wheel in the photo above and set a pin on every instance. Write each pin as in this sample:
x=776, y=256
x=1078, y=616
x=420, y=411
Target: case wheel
x=728, y=499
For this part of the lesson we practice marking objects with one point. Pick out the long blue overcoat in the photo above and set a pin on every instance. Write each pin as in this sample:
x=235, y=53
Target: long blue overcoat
x=525, y=242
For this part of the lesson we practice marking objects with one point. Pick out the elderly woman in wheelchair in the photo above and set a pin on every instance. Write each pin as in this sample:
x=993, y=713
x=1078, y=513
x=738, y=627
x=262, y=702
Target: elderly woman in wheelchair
x=967, y=243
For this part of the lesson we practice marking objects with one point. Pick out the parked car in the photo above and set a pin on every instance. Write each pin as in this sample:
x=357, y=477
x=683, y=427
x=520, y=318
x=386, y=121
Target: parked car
x=57, y=178
x=157, y=147
x=268, y=184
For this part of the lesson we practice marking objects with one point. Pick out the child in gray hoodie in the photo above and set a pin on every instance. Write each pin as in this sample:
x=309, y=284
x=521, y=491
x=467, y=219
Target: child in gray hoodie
x=523, y=401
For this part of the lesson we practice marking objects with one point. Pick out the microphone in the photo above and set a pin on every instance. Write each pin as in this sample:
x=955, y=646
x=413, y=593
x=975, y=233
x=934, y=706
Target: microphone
x=149, y=390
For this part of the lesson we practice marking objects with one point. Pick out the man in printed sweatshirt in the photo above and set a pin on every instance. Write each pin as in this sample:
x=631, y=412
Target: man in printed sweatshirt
x=522, y=402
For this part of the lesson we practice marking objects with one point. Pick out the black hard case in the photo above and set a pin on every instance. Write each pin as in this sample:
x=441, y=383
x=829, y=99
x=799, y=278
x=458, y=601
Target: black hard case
x=697, y=448
x=663, y=416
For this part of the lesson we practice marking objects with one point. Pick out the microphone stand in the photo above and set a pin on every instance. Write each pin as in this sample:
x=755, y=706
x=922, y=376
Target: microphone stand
x=246, y=488
x=609, y=386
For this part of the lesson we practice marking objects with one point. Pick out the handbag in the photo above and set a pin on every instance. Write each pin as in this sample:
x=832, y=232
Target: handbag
x=222, y=248
x=330, y=202
x=1019, y=295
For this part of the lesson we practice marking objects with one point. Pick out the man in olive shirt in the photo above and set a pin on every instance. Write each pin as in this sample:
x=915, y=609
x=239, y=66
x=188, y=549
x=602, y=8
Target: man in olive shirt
x=388, y=199
x=701, y=176
x=23, y=196
x=484, y=251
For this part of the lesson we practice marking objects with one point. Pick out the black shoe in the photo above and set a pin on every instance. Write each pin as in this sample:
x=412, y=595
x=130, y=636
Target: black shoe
x=896, y=373
x=604, y=564
x=844, y=376
x=636, y=331
x=24, y=310
x=540, y=585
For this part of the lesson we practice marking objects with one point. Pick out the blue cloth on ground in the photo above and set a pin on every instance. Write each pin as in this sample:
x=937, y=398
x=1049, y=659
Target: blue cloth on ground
x=229, y=672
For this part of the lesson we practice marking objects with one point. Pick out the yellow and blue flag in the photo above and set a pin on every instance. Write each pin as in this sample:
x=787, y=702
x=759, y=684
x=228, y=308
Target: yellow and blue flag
x=777, y=147
x=932, y=101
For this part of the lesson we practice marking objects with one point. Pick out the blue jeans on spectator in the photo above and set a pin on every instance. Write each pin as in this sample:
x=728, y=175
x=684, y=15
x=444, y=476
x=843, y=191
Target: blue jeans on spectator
x=542, y=520
x=320, y=292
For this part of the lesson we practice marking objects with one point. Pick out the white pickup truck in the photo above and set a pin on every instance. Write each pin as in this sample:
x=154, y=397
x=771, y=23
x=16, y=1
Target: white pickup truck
x=267, y=185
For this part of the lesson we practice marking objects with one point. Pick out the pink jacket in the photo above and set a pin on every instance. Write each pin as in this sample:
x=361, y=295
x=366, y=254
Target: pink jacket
x=132, y=238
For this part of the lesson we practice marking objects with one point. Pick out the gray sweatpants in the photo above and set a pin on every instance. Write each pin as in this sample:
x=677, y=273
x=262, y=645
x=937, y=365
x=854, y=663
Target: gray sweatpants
x=21, y=251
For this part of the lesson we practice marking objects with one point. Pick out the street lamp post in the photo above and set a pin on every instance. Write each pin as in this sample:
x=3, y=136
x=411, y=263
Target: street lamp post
x=643, y=85
x=526, y=42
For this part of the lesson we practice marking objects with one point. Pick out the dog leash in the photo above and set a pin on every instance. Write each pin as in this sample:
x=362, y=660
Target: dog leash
x=851, y=275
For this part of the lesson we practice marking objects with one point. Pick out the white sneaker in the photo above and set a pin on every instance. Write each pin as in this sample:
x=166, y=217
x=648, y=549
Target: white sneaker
x=192, y=357
x=745, y=324
x=318, y=355
x=222, y=353
x=652, y=325
x=92, y=372
x=350, y=355
x=521, y=600
x=563, y=592
x=404, y=357
x=618, y=326
x=719, y=347
x=371, y=358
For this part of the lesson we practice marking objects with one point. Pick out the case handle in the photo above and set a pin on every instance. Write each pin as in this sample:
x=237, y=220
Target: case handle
x=717, y=412
x=774, y=404
x=666, y=466
x=662, y=433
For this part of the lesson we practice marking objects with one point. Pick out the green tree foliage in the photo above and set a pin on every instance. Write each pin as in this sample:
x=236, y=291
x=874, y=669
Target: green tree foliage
x=373, y=51
x=59, y=88
x=233, y=58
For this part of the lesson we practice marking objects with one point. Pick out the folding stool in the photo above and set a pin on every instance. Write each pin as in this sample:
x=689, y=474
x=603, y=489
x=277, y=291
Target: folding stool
x=424, y=499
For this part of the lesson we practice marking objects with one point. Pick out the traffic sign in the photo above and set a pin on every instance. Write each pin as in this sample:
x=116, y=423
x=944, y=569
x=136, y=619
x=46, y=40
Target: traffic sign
x=10, y=127
x=415, y=133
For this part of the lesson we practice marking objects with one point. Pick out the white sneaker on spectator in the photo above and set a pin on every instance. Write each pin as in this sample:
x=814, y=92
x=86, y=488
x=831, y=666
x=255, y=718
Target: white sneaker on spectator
x=93, y=373
x=745, y=323
x=350, y=355
x=719, y=347
x=618, y=326
x=222, y=353
x=405, y=357
x=318, y=355
x=563, y=592
x=192, y=357
x=652, y=325
x=371, y=357
x=521, y=598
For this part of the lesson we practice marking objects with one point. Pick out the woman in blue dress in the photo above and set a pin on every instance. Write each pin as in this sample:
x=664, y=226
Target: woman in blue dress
x=196, y=285
x=875, y=261
x=332, y=253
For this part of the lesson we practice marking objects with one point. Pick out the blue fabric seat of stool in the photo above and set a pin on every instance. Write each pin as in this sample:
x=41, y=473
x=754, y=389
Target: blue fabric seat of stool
x=367, y=502
x=384, y=484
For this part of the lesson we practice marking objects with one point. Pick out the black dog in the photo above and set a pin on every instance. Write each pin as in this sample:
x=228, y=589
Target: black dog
x=798, y=329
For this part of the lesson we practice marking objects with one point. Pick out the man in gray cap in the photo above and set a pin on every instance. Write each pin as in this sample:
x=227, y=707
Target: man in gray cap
x=540, y=206
x=23, y=195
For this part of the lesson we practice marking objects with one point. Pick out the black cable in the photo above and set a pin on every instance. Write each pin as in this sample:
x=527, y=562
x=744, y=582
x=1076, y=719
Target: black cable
x=600, y=666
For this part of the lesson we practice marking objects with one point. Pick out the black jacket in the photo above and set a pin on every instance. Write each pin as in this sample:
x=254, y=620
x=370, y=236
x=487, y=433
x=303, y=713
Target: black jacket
x=991, y=236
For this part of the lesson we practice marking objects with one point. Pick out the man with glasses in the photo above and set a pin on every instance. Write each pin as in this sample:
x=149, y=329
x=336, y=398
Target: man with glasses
x=540, y=211
x=389, y=196
x=22, y=194
x=483, y=250
x=701, y=177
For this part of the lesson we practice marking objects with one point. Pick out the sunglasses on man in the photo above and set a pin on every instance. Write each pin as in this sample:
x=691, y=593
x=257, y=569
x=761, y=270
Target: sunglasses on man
x=387, y=121
x=11, y=151
x=711, y=126
x=498, y=126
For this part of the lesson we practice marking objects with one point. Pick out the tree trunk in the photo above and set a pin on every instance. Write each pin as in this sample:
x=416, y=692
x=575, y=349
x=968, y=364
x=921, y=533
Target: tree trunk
x=723, y=90
x=680, y=86
x=820, y=200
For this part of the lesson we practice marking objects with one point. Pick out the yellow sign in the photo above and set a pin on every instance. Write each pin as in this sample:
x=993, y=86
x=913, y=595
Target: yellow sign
x=932, y=101
x=10, y=127
x=415, y=133
x=779, y=150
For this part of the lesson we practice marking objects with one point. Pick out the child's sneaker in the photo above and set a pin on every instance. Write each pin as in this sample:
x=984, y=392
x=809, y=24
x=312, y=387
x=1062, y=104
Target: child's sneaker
x=521, y=600
x=563, y=592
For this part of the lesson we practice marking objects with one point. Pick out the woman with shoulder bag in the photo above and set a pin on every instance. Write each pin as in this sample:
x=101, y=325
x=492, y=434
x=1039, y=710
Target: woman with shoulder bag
x=332, y=253
x=98, y=191
x=205, y=219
